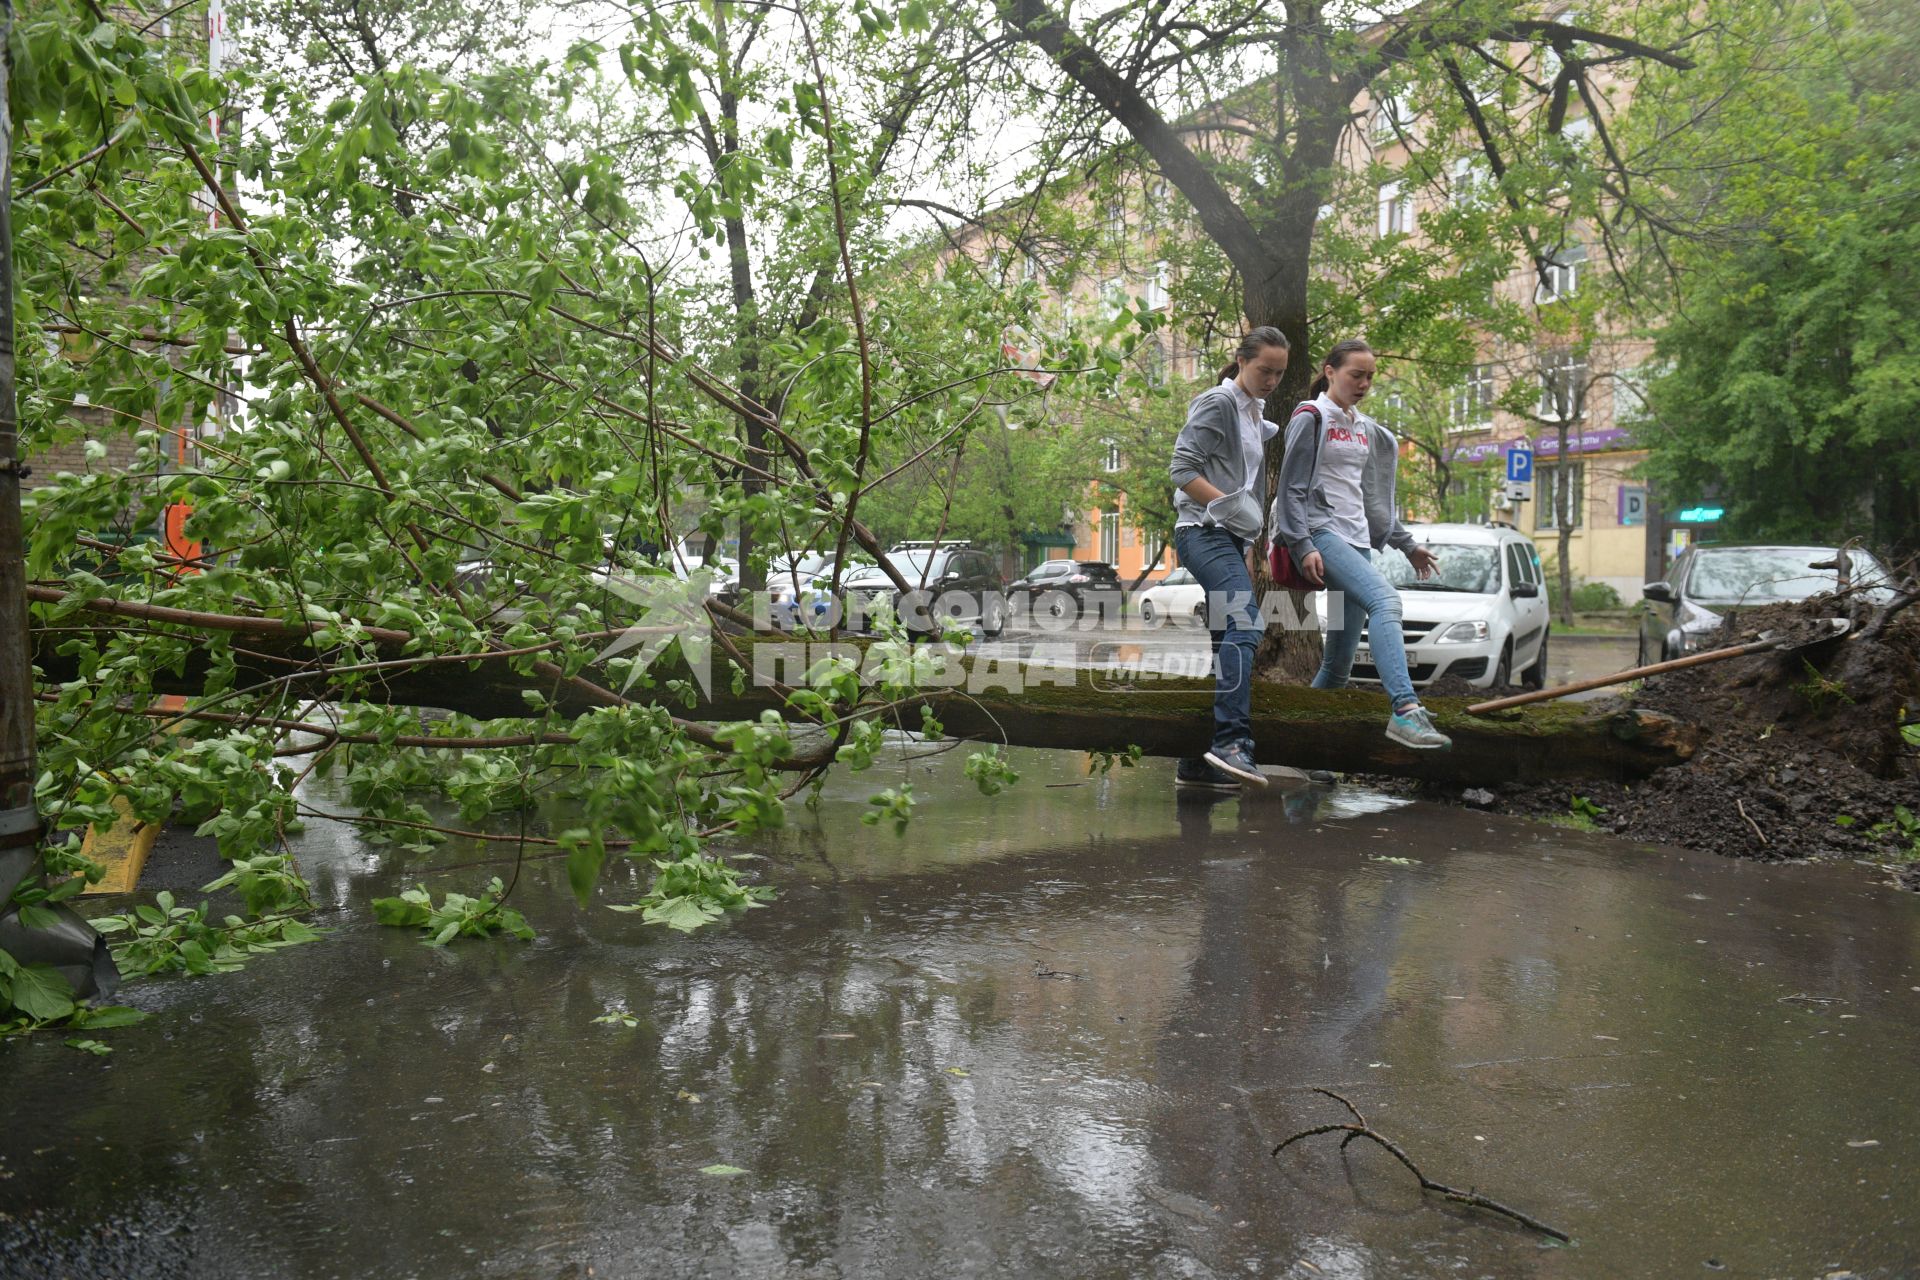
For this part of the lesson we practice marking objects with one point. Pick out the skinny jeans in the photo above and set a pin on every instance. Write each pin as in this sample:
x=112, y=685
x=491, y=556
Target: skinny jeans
x=1218, y=561
x=1370, y=602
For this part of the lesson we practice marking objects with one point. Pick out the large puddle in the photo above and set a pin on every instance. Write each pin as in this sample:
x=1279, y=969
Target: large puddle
x=1055, y=1033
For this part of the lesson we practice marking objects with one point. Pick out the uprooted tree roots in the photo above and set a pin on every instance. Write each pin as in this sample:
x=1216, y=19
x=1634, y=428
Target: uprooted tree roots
x=1812, y=752
x=1359, y=1128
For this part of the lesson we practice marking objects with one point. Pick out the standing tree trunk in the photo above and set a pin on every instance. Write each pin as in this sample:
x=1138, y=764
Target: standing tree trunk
x=1270, y=256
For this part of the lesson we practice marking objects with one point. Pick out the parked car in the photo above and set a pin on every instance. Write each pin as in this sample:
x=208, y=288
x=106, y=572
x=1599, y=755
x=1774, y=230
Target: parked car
x=1707, y=583
x=949, y=583
x=796, y=588
x=1066, y=588
x=1481, y=618
x=1178, y=597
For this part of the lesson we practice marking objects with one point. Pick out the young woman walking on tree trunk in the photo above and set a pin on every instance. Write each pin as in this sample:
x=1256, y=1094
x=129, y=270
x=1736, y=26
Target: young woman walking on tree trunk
x=1216, y=472
x=1336, y=505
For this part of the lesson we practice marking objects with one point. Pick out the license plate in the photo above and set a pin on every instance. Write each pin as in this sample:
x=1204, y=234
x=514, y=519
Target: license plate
x=1363, y=654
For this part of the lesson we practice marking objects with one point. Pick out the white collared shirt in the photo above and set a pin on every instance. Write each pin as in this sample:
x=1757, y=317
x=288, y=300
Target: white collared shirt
x=1255, y=431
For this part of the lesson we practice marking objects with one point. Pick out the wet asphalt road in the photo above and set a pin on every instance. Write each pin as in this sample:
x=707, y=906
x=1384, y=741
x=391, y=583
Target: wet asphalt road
x=1053, y=1033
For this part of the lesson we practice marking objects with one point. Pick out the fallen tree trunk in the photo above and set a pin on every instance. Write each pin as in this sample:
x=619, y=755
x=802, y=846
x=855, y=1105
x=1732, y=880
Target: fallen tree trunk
x=985, y=699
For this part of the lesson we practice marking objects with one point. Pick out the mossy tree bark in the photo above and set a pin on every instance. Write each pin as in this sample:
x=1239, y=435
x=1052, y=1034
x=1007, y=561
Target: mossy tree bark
x=984, y=698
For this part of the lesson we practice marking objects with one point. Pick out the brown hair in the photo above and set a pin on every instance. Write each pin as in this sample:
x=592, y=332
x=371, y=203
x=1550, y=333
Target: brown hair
x=1256, y=341
x=1335, y=359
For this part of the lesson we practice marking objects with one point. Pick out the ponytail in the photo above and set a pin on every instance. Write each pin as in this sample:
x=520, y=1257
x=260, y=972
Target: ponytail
x=1336, y=357
x=1256, y=341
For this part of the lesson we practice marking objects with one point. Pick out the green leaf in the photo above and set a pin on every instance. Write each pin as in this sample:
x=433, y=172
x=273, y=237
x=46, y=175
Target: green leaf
x=584, y=861
x=683, y=914
x=40, y=991
x=405, y=912
x=90, y=1046
x=723, y=1170
x=107, y=1016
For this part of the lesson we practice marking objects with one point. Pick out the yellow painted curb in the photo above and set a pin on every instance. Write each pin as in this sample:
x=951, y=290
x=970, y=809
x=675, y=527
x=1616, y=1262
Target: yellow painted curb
x=122, y=849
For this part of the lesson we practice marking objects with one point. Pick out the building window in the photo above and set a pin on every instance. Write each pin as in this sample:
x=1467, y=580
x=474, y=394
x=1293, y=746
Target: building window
x=1467, y=179
x=1110, y=537
x=1390, y=120
x=1469, y=496
x=1563, y=385
x=1111, y=463
x=1030, y=269
x=1156, y=290
x=1116, y=218
x=1549, y=482
x=1113, y=298
x=1561, y=279
x=1630, y=396
x=1473, y=399
x=1390, y=408
x=1153, y=362
x=1396, y=209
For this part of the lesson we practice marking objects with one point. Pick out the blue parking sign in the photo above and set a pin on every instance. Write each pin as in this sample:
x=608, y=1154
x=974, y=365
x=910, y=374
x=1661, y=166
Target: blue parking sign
x=1520, y=464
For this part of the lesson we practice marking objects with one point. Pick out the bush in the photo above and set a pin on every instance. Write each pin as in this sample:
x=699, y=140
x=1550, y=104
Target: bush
x=1593, y=597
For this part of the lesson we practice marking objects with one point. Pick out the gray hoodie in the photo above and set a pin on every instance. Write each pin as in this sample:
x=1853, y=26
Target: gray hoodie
x=1209, y=446
x=1301, y=504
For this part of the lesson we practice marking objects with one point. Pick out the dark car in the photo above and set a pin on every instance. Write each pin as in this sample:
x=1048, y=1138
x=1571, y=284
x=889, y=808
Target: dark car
x=950, y=583
x=1709, y=583
x=1067, y=589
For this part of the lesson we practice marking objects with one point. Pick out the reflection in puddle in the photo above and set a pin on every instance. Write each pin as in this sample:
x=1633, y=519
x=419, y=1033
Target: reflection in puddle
x=1055, y=1032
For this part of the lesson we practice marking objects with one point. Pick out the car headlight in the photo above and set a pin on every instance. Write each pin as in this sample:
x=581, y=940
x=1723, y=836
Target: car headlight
x=1462, y=633
x=1697, y=626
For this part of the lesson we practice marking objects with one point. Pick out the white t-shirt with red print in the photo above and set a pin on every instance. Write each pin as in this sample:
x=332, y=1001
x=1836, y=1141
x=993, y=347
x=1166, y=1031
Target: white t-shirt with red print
x=1344, y=442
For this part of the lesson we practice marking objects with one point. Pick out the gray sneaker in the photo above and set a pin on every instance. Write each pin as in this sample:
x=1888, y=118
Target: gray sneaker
x=1195, y=774
x=1414, y=728
x=1237, y=760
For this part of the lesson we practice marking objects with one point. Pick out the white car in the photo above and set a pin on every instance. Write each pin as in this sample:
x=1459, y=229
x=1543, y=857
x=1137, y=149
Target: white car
x=1482, y=617
x=1178, y=597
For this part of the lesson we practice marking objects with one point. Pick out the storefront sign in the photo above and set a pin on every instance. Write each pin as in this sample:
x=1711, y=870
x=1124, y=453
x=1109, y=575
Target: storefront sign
x=1547, y=444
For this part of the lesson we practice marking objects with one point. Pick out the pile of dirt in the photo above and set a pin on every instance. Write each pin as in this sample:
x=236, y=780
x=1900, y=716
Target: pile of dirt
x=1806, y=753
x=1455, y=687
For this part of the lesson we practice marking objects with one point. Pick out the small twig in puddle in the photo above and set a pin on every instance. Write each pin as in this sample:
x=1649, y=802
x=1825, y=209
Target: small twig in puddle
x=1741, y=805
x=1041, y=970
x=1361, y=1129
x=1803, y=997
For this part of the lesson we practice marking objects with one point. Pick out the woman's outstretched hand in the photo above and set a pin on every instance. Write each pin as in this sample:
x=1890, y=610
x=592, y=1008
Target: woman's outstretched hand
x=1424, y=562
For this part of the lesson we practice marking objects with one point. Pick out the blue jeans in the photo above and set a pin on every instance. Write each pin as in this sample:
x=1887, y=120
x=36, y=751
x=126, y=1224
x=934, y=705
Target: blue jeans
x=1372, y=602
x=1218, y=561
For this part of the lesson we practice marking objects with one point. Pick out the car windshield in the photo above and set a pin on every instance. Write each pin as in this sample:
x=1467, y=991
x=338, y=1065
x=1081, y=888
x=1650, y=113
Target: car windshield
x=911, y=564
x=1178, y=578
x=1463, y=567
x=803, y=568
x=1762, y=575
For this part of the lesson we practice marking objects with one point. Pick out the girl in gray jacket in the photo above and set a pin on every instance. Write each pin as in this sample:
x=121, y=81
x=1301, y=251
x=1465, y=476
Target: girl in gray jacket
x=1217, y=478
x=1335, y=505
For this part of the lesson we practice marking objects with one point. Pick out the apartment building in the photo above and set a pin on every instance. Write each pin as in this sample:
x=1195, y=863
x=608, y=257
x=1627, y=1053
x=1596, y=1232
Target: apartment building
x=1621, y=532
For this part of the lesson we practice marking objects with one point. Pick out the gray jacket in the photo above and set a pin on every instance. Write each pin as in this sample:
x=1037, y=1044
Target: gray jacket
x=1208, y=447
x=1301, y=504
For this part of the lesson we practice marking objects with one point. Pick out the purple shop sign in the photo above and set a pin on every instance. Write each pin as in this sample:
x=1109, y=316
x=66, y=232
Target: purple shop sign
x=1547, y=444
